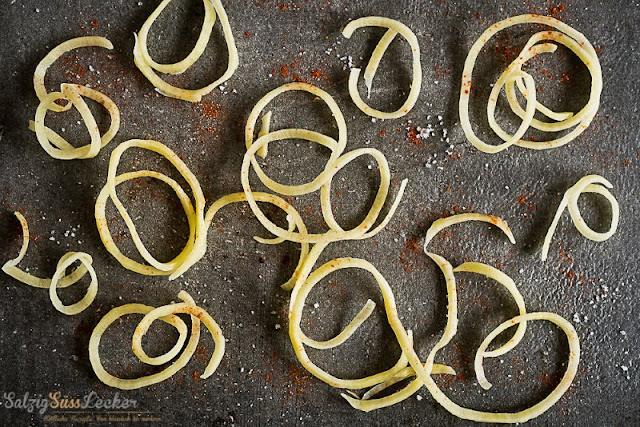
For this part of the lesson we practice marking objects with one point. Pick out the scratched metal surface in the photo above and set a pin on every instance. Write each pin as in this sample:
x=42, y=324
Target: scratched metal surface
x=260, y=381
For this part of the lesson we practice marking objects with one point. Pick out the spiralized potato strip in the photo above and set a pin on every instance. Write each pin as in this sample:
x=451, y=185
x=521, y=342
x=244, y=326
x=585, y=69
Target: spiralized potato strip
x=504, y=79
x=198, y=222
x=197, y=51
x=513, y=75
x=564, y=120
x=174, y=321
x=148, y=67
x=587, y=184
x=265, y=129
x=442, y=223
x=178, y=364
x=302, y=274
x=196, y=246
x=339, y=144
x=57, y=52
x=376, y=57
x=11, y=267
x=66, y=260
x=395, y=27
x=54, y=144
x=187, y=308
x=295, y=316
x=103, y=226
x=60, y=278
x=530, y=50
x=508, y=283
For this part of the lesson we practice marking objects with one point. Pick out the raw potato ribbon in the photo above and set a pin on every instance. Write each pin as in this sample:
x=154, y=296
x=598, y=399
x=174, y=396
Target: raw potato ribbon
x=588, y=184
x=60, y=279
x=394, y=28
x=54, y=144
x=514, y=76
x=148, y=67
x=166, y=314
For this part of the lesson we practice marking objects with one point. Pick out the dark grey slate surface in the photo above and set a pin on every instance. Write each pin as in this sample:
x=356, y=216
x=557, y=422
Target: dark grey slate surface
x=260, y=381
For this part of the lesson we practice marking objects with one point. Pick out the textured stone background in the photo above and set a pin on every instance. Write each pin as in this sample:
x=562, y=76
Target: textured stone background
x=260, y=380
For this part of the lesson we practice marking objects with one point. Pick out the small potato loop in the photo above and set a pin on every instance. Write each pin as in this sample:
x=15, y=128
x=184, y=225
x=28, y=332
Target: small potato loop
x=60, y=279
x=57, y=52
x=337, y=146
x=166, y=314
x=509, y=284
x=513, y=77
x=195, y=246
x=540, y=407
x=186, y=308
x=299, y=339
x=212, y=9
x=394, y=28
x=588, y=184
x=66, y=260
x=54, y=144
